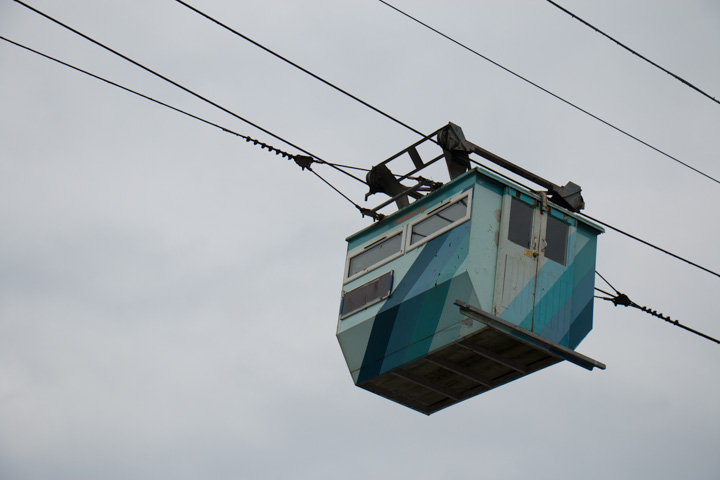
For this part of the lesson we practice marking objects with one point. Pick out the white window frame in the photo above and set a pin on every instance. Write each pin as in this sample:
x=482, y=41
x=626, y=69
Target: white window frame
x=366, y=247
x=466, y=194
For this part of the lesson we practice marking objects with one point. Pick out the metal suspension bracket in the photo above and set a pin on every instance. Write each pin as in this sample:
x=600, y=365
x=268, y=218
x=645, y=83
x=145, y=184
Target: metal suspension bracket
x=568, y=196
x=381, y=180
x=456, y=151
x=303, y=161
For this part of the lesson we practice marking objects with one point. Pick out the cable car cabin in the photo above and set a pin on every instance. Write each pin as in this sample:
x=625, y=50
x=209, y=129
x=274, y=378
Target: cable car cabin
x=468, y=288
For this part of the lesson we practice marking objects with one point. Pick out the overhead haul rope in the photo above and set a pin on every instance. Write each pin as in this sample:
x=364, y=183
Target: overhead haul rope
x=146, y=97
x=124, y=57
x=363, y=211
x=304, y=70
x=651, y=245
x=644, y=242
x=676, y=77
x=550, y=93
x=303, y=161
x=622, y=299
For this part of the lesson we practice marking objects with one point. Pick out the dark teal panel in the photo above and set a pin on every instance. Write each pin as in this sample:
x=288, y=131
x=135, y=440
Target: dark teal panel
x=402, y=320
x=557, y=327
x=442, y=296
x=584, y=261
x=581, y=326
x=553, y=312
x=583, y=293
x=419, y=316
x=387, y=316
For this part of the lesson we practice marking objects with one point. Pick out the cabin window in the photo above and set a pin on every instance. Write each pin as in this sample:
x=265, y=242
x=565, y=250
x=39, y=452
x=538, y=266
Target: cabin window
x=556, y=238
x=521, y=220
x=366, y=295
x=374, y=254
x=440, y=221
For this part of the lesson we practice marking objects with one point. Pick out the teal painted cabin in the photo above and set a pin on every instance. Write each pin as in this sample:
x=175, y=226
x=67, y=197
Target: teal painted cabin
x=467, y=288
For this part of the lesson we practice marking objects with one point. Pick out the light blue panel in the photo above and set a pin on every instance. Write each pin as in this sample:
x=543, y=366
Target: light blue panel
x=484, y=235
x=353, y=342
x=447, y=260
x=514, y=293
x=453, y=325
x=552, y=309
x=518, y=292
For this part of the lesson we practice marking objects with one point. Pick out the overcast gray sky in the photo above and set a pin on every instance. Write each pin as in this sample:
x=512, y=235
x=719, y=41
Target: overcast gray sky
x=169, y=292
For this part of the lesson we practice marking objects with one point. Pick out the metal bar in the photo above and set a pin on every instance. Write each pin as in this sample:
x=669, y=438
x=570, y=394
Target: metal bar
x=418, y=169
x=448, y=365
x=387, y=202
x=424, y=382
x=415, y=157
x=429, y=137
x=528, y=337
x=494, y=356
x=498, y=160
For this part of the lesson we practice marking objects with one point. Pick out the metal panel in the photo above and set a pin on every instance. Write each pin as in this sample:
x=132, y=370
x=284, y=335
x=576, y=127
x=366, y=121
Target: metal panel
x=529, y=337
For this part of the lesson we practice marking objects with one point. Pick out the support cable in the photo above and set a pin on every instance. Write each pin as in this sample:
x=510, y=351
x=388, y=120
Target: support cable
x=676, y=77
x=551, y=93
x=605, y=225
x=363, y=211
x=146, y=97
x=302, y=69
x=624, y=300
x=301, y=160
x=124, y=57
x=650, y=244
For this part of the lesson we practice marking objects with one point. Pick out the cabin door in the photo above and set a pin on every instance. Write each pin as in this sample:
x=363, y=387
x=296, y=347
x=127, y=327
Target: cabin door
x=533, y=287
x=518, y=254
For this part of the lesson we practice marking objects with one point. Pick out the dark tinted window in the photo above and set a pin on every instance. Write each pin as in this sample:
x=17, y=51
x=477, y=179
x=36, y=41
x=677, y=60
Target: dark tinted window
x=364, y=295
x=556, y=238
x=521, y=218
x=439, y=220
x=375, y=254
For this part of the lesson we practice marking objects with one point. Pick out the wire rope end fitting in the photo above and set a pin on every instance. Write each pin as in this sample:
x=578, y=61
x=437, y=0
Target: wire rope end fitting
x=303, y=161
x=622, y=299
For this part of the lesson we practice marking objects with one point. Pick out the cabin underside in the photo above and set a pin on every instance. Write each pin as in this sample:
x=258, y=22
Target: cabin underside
x=493, y=356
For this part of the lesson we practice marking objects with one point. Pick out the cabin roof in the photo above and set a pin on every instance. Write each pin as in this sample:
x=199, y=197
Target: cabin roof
x=448, y=189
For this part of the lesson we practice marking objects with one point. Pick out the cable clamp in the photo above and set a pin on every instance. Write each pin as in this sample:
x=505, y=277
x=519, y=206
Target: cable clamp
x=303, y=161
x=622, y=299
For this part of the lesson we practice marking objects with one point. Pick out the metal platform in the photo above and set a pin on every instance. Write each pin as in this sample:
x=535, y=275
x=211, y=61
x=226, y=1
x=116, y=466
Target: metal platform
x=495, y=355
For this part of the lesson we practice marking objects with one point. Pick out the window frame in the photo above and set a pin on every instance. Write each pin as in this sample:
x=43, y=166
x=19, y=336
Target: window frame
x=569, y=222
x=468, y=194
x=372, y=302
x=535, y=223
x=360, y=250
